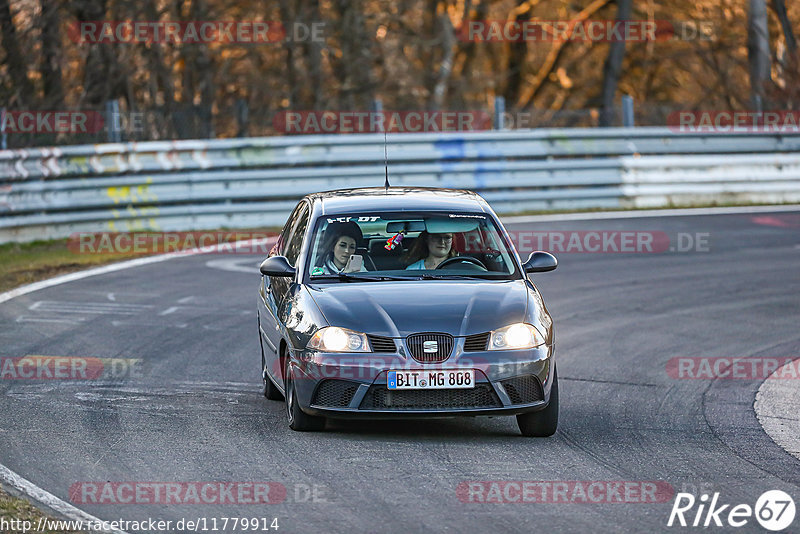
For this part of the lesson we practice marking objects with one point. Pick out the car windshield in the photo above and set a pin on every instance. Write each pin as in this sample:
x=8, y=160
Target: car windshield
x=392, y=246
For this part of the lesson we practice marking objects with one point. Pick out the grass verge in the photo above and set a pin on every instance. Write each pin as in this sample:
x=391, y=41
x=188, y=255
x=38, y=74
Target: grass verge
x=14, y=512
x=24, y=263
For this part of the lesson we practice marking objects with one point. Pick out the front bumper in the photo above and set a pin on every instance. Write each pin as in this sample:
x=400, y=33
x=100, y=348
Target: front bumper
x=354, y=385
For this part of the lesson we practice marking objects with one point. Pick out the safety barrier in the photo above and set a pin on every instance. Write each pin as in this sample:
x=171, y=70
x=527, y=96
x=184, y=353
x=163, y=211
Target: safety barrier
x=254, y=182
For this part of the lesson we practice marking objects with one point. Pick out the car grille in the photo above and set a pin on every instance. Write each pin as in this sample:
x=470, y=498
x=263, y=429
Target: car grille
x=381, y=344
x=476, y=342
x=444, y=344
x=335, y=393
x=523, y=389
x=381, y=398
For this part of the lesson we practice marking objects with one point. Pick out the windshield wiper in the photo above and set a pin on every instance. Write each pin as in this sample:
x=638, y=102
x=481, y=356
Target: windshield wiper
x=356, y=277
x=454, y=276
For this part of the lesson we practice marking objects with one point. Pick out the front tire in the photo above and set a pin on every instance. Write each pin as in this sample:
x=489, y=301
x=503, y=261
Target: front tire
x=298, y=419
x=543, y=423
x=271, y=391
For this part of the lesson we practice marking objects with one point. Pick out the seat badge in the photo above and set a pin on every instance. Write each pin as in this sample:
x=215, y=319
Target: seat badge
x=430, y=347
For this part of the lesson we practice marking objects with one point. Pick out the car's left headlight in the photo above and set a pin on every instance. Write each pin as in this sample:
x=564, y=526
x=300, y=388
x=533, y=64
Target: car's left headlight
x=515, y=336
x=335, y=339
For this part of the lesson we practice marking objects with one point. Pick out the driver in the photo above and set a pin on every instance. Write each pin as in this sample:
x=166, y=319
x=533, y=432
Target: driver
x=429, y=250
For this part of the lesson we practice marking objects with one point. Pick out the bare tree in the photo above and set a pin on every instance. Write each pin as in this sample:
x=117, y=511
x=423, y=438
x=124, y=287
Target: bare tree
x=779, y=6
x=51, y=54
x=448, y=46
x=758, y=52
x=354, y=70
x=612, y=69
x=24, y=93
x=312, y=50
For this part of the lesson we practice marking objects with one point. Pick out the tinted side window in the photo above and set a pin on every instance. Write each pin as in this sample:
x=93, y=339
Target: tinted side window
x=295, y=242
x=287, y=229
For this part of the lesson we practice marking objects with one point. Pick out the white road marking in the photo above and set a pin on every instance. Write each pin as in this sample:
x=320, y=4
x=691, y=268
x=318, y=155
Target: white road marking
x=184, y=300
x=48, y=499
x=234, y=265
x=79, y=308
x=159, y=324
x=111, y=297
x=173, y=309
x=777, y=407
x=30, y=319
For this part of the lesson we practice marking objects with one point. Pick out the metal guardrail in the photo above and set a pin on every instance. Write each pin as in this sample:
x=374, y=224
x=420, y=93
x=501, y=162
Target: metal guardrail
x=254, y=182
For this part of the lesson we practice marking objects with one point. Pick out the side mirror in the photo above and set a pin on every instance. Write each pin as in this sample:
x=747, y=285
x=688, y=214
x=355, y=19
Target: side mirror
x=540, y=262
x=277, y=266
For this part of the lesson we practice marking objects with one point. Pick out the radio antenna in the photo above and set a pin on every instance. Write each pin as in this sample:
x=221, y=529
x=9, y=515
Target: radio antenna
x=386, y=162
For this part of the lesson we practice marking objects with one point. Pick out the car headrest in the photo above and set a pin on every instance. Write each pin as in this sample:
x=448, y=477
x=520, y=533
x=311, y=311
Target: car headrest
x=376, y=247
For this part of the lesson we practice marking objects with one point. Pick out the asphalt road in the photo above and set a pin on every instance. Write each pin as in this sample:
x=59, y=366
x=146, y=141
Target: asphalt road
x=195, y=413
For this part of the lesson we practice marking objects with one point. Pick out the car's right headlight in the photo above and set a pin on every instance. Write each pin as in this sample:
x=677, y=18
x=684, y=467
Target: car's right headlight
x=515, y=336
x=335, y=339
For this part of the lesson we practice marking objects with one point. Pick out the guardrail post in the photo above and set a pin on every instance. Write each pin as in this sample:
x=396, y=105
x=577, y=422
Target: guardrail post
x=627, y=111
x=113, y=121
x=3, y=139
x=377, y=108
x=499, y=112
x=207, y=117
x=242, y=117
x=758, y=104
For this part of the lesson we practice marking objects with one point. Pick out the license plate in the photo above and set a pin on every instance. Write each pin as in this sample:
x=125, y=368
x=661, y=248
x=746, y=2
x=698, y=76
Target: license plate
x=434, y=379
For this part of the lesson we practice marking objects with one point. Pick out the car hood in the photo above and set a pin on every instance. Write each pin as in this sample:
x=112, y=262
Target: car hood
x=397, y=309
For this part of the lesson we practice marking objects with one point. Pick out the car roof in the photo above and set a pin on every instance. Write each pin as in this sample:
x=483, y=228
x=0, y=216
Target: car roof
x=378, y=199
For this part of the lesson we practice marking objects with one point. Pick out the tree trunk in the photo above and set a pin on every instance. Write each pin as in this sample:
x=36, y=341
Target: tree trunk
x=446, y=65
x=517, y=59
x=357, y=61
x=758, y=52
x=96, y=69
x=51, y=55
x=612, y=69
x=779, y=6
x=470, y=47
x=160, y=80
x=23, y=88
x=313, y=56
x=288, y=19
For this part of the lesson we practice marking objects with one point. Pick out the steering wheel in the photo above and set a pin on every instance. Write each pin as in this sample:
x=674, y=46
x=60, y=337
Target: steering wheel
x=462, y=259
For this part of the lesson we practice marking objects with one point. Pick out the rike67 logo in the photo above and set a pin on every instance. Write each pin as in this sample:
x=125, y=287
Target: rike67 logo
x=774, y=511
